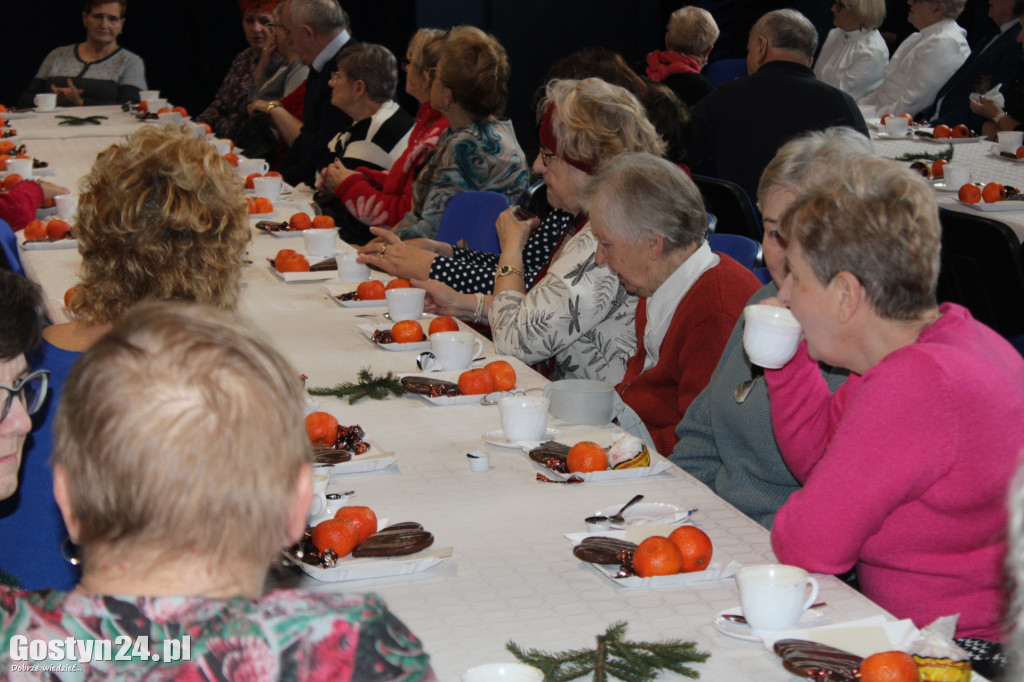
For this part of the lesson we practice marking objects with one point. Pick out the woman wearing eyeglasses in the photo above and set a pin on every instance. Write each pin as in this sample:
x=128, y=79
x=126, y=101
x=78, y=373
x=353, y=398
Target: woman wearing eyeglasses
x=161, y=216
x=854, y=54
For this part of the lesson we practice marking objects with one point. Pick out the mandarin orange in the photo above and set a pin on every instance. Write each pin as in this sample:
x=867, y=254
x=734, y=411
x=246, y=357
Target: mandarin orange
x=263, y=205
x=11, y=180
x=657, y=555
x=399, y=283
x=694, y=546
x=475, y=382
x=942, y=131
x=232, y=159
x=938, y=168
x=35, y=230
x=340, y=535
x=322, y=428
x=442, y=324
x=364, y=518
x=503, y=374
x=323, y=222
x=407, y=331
x=296, y=262
x=300, y=221
x=969, y=193
x=586, y=456
x=370, y=290
x=889, y=666
x=961, y=131
x=249, y=178
x=993, y=192
x=57, y=229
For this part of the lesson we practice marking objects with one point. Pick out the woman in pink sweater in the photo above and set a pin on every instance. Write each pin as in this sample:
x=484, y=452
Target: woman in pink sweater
x=905, y=468
x=375, y=197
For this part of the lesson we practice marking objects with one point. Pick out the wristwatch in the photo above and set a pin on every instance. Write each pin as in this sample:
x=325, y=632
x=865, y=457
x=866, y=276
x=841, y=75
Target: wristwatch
x=510, y=270
x=271, y=106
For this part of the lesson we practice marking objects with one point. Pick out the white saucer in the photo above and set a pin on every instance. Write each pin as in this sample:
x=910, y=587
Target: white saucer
x=497, y=438
x=811, y=618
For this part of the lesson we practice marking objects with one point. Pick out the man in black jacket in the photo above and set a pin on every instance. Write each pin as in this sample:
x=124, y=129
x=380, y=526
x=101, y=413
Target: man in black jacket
x=319, y=30
x=996, y=58
x=738, y=128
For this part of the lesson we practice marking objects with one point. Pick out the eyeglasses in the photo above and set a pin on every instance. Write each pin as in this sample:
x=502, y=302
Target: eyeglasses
x=432, y=73
x=546, y=157
x=30, y=390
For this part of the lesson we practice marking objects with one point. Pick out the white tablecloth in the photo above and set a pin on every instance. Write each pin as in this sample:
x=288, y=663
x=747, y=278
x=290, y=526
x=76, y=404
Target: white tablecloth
x=512, y=575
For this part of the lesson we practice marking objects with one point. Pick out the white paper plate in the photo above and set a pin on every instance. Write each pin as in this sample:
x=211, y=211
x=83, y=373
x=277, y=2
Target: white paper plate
x=949, y=140
x=882, y=135
x=452, y=376
x=16, y=115
x=361, y=464
x=998, y=207
x=335, y=290
x=995, y=152
x=350, y=568
x=497, y=439
x=811, y=618
x=941, y=186
x=369, y=329
x=312, y=276
x=722, y=568
x=658, y=465
x=649, y=513
x=45, y=246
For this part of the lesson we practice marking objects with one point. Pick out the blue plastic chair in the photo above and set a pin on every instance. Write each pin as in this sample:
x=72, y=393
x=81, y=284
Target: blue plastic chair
x=742, y=249
x=763, y=274
x=9, y=245
x=471, y=216
x=725, y=70
x=731, y=205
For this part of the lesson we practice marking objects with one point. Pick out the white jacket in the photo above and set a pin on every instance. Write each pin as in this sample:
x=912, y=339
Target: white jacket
x=852, y=61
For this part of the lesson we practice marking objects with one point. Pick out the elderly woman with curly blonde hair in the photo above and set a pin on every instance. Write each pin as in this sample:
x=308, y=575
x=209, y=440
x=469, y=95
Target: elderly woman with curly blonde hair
x=161, y=217
x=577, y=318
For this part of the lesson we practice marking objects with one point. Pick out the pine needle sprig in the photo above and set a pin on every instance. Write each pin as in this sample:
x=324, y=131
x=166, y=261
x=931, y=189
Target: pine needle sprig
x=614, y=657
x=945, y=155
x=366, y=386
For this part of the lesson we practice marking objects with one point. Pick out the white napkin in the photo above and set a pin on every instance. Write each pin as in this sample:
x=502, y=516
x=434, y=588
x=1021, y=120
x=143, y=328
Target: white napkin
x=993, y=95
x=861, y=637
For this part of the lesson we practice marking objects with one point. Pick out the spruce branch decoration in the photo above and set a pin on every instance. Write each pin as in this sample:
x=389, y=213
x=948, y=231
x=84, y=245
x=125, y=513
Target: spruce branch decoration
x=945, y=155
x=366, y=386
x=614, y=657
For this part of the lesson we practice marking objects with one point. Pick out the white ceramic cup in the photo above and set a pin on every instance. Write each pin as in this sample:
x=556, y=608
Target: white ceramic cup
x=247, y=167
x=22, y=167
x=269, y=188
x=896, y=126
x=222, y=146
x=348, y=269
x=170, y=118
x=318, y=504
x=404, y=304
x=67, y=204
x=774, y=596
x=582, y=401
x=503, y=672
x=319, y=243
x=1010, y=140
x=45, y=101
x=456, y=350
x=198, y=130
x=479, y=461
x=770, y=335
x=956, y=175
x=154, y=105
x=147, y=95
x=524, y=417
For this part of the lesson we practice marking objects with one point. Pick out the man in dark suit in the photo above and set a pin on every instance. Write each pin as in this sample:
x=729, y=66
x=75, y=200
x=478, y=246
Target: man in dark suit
x=738, y=128
x=319, y=30
x=995, y=58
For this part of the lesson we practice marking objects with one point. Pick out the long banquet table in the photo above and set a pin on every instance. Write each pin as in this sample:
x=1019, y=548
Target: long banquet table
x=511, y=575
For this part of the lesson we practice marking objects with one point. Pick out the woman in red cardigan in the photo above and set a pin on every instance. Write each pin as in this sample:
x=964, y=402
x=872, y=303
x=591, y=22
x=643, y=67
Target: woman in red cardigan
x=375, y=197
x=650, y=224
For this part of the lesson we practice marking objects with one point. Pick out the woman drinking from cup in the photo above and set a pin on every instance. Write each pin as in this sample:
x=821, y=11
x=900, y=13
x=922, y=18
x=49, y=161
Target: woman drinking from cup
x=97, y=71
x=905, y=468
x=577, y=315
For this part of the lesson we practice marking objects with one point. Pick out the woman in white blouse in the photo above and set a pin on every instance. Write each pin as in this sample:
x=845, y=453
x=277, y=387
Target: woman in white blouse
x=924, y=61
x=854, y=54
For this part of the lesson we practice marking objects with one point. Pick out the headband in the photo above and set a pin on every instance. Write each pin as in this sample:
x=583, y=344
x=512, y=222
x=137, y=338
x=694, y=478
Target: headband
x=550, y=140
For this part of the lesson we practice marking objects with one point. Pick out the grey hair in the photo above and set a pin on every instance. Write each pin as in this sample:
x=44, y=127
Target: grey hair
x=1015, y=569
x=797, y=160
x=324, y=16
x=787, y=29
x=638, y=194
x=691, y=30
x=952, y=8
x=374, y=65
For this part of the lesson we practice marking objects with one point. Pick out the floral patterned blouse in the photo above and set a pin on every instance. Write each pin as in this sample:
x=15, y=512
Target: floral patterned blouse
x=232, y=96
x=483, y=155
x=578, y=315
x=285, y=635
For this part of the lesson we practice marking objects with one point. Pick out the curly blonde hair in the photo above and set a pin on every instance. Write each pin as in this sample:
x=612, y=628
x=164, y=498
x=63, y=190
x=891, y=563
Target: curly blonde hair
x=161, y=217
x=595, y=121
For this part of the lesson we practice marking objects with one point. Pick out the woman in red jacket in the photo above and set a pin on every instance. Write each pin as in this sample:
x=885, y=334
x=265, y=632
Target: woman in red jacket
x=375, y=197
